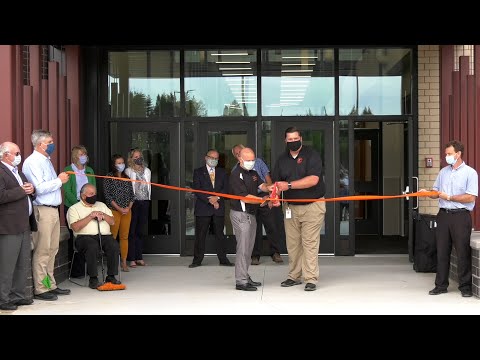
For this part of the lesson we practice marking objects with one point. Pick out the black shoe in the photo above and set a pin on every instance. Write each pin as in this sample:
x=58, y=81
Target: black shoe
x=245, y=287
x=254, y=283
x=111, y=279
x=59, y=291
x=46, y=296
x=437, y=291
x=93, y=283
x=310, y=287
x=226, y=263
x=194, y=265
x=8, y=306
x=255, y=260
x=290, y=282
x=23, y=302
x=466, y=293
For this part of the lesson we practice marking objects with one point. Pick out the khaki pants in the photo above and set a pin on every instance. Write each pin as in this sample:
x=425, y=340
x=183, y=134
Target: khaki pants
x=121, y=228
x=45, y=247
x=303, y=240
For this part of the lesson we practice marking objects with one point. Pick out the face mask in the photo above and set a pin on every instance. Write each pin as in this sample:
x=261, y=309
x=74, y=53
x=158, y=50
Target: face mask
x=120, y=167
x=50, y=148
x=18, y=160
x=294, y=145
x=248, y=164
x=212, y=162
x=91, y=199
x=83, y=159
x=138, y=161
x=450, y=159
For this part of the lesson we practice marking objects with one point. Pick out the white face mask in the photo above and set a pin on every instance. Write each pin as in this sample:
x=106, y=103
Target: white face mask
x=18, y=160
x=249, y=164
x=450, y=159
x=120, y=167
x=212, y=162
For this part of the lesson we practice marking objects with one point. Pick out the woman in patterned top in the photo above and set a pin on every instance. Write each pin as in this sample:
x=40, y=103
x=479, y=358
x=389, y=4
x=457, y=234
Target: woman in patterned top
x=119, y=197
x=138, y=170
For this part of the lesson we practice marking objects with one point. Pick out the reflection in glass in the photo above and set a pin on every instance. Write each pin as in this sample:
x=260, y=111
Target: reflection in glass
x=190, y=153
x=155, y=147
x=344, y=180
x=298, y=82
x=143, y=83
x=221, y=82
x=375, y=81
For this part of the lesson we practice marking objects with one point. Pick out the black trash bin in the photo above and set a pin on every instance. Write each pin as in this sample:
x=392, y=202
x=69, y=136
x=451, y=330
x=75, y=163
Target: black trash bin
x=425, y=246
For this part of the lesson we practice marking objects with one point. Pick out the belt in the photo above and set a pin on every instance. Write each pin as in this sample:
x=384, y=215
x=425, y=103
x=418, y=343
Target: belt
x=454, y=210
x=52, y=206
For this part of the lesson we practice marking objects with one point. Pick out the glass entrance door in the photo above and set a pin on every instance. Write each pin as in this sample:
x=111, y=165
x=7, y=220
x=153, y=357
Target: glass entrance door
x=318, y=135
x=159, y=145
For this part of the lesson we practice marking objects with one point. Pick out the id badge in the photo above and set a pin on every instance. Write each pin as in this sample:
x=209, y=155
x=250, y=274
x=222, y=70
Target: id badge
x=288, y=213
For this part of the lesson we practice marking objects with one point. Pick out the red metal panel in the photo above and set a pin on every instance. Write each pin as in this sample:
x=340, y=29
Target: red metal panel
x=35, y=82
x=463, y=98
x=470, y=144
x=68, y=124
x=476, y=164
x=7, y=110
x=72, y=55
x=53, y=108
x=455, y=121
x=63, y=149
x=446, y=69
x=18, y=132
x=27, y=119
x=44, y=100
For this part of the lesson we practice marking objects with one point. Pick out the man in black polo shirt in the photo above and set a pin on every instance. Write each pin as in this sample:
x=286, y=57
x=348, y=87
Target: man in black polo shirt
x=298, y=174
x=244, y=181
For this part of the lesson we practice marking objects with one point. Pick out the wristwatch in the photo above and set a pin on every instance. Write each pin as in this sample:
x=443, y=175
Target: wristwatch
x=289, y=186
x=448, y=197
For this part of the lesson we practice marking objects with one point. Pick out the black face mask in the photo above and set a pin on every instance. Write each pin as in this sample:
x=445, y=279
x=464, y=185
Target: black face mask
x=91, y=199
x=138, y=161
x=294, y=145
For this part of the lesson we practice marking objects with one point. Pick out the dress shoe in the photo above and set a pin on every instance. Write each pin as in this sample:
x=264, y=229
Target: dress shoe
x=255, y=260
x=93, y=283
x=24, y=302
x=111, y=279
x=8, y=306
x=437, y=291
x=290, y=282
x=310, y=287
x=254, y=283
x=466, y=293
x=227, y=263
x=194, y=265
x=277, y=258
x=59, y=291
x=245, y=287
x=46, y=296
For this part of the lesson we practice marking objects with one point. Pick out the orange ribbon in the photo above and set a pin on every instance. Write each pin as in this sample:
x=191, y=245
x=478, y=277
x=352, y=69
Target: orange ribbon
x=237, y=197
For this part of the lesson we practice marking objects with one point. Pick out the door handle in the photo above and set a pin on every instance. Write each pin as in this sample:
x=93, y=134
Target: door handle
x=407, y=191
x=416, y=189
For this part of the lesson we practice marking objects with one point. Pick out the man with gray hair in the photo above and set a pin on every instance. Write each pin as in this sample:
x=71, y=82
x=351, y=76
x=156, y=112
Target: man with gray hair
x=40, y=172
x=16, y=195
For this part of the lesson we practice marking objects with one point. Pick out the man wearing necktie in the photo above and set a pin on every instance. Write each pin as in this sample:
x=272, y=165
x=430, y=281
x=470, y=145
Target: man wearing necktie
x=208, y=208
x=16, y=212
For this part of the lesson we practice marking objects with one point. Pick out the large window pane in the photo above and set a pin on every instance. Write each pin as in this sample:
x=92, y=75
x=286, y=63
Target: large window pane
x=221, y=83
x=144, y=84
x=375, y=81
x=298, y=82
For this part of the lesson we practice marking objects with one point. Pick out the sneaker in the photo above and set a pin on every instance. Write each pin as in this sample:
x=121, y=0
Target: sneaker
x=93, y=283
x=255, y=260
x=111, y=279
x=277, y=258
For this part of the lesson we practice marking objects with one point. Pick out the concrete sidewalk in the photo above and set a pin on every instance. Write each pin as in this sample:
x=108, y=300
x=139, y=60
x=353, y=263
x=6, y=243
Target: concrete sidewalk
x=348, y=285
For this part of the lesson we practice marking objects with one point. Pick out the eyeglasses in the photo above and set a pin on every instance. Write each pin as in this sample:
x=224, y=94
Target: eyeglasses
x=213, y=158
x=16, y=154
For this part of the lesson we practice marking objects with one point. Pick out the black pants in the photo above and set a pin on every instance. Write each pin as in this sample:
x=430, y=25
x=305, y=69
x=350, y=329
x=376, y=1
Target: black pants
x=266, y=216
x=454, y=228
x=136, y=234
x=202, y=224
x=89, y=246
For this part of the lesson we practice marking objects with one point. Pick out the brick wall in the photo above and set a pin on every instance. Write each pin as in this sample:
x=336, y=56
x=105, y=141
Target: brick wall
x=428, y=121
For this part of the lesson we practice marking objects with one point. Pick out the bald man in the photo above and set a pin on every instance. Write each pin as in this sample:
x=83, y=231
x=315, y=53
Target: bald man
x=16, y=212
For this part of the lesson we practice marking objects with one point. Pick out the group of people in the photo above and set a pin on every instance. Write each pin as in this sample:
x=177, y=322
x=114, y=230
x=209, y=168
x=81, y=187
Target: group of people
x=29, y=208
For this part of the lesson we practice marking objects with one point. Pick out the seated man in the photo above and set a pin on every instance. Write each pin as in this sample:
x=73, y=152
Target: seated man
x=82, y=218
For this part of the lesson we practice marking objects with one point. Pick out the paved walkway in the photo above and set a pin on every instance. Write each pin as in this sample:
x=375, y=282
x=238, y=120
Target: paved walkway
x=348, y=285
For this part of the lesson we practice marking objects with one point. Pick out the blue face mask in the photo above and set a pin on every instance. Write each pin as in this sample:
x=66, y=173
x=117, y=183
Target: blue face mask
x=82, y=159
x=450, y=159
x=120, y=167
x=50, y=148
